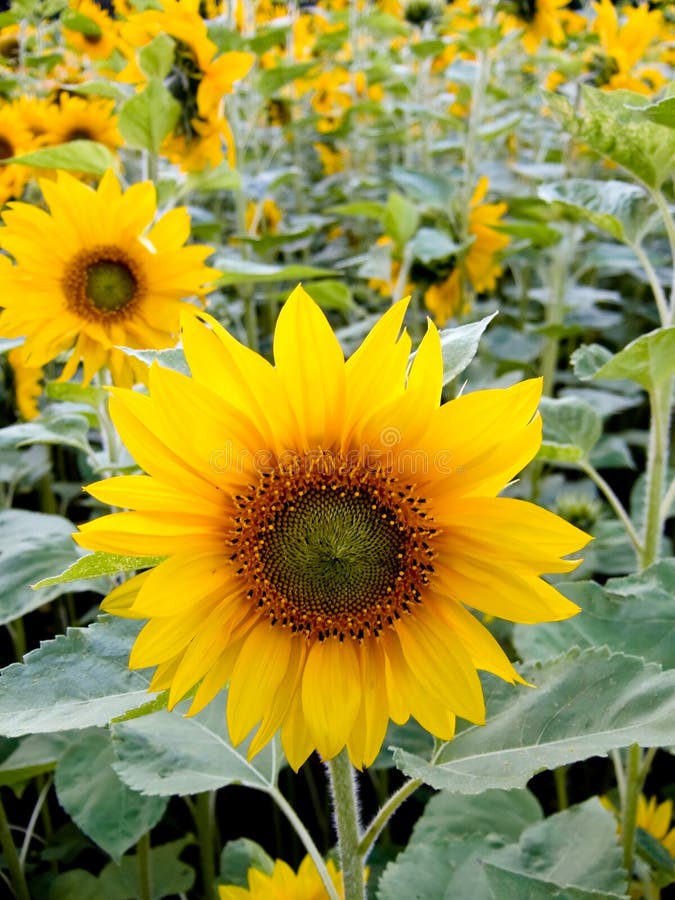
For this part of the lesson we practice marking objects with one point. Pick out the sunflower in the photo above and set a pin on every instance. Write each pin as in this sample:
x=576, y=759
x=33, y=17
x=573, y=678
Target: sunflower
x=480, y=266
x=540, y=20
x=91, y=275
x=84, y=119
x=100, y=39
x=202, y=145
x=325, y=525
x=284, y=884
x=624, y=47
x=15, y=139
x=27, y=385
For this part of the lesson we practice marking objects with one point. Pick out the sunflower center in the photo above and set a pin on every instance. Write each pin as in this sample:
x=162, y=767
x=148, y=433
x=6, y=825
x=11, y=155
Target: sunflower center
x=332, y=548
x=526, y=10
x=79, y=134
x=6, y=149
x=102, y=282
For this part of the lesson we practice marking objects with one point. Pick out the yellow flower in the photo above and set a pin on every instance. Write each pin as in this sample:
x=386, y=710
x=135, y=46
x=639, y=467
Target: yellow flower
x=203, y=147
x=326, y=525
x=99, y=45
x=541, y=20
x=656, y=819
x=27, y=385
x=91, y=275
x=333, y=161
x=84, y=119
x=479, y=265
x=263, y=217
x=625, y=46
x=284, y=883
x=15, y=139
x=37, y=115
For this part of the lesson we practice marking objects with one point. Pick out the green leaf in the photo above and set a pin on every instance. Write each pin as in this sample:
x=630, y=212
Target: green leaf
x=634, y=615
x=617, y=207
x=79, y=679
x=367, y=208
x=459, y=346
x=77, y=21
x=618, y=132
x=430, y=244
x=166, y=753
x=33, y=545
x=222, y=178
x=156, y=58
x=443, y=857
x=34, y=755
x=67, y=391
x=74, y=883
x=661, y=113
x=95, y=565
x=432, y=190
x=571, y=429
x=101, y=89
x=649, y=360
x=146, y=118
x=589, y=359
x=69, y=430
x=101, y=805
x=585, y=704
x=272, y=80
x=169, y=875
x=238, y=857
x=88, y=157
x=400, y=219
x=169, y=359
x=573, y=854
x=331, y=294
x=242, y=271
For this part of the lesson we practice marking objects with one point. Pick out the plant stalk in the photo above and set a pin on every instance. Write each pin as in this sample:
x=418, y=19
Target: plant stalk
x=12, y=858
x=346, y=809
x=657, y=461
x=203, y=811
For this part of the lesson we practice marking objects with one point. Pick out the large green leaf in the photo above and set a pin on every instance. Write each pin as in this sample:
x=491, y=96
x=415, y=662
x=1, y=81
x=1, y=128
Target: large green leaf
x=101, y=805
x=75, y=156
x=77, y=680
x=661, y=113
x=33, y=755
x=648, y=360
x=400, y=219
x=67, y=429
x=459, y=346
x=241, y=271
x=146, y=118
x=611, y=123
x=635, y=614
x=617, y=207
x=574, y=854
x=585, y=704
x=166, y=753
x=33, y=546
x=571, y=429
x=443, y=856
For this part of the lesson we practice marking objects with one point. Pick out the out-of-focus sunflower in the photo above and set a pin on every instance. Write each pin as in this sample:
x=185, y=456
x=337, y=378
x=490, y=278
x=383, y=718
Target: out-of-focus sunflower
x=94, y=273
x=205, y=144
x=326, y=526
x=541, y=20
x=27, y=385
x=99, y=37
x=37, y=115
x=263, y=217
x=15, y=139
x=480, y=266
x=84, y=119
x=619, y=62
x=284, y=884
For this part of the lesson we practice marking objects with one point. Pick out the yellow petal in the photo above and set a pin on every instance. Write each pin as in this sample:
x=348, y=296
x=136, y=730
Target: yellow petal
x=331, y=694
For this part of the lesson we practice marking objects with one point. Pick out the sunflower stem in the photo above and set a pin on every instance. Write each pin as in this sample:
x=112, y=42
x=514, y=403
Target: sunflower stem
x=346, y=810
x=657, y=461
x=560, y=776
x=664, y=209
x=633, y=786
x=613, y=501
x=385, y=813
x=204, y=816
x=12, y=858
x=306, y=839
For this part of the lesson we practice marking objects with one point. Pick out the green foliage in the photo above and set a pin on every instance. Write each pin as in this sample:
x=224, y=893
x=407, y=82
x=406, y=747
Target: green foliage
x=95, y=565
x=649, y=360
x=238, y=857
x=83, y=156
x=146, y=118
x=571, y=429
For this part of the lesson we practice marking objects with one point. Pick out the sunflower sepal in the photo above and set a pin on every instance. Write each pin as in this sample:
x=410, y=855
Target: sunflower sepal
x=98, y=565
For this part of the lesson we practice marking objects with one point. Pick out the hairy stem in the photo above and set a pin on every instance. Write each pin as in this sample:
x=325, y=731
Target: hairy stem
x=346, y=809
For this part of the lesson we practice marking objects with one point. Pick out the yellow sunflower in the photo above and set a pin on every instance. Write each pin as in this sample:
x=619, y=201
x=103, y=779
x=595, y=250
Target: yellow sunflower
x=480, y=266
x=284, y=884
x=84, y=119
x=326, y=526
x=102, y=37
x=93, y=273
x=624, y=48
x=15, y=139
x=27, y=385
x=540, y=20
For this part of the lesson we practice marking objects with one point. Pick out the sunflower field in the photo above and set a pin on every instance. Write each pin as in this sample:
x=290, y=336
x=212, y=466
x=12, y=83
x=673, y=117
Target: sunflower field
x=337, y=348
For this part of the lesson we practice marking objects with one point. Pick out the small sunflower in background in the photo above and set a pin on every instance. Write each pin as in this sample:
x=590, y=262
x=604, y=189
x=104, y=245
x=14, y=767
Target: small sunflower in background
x=84, y=119
x=540, y=20
x=480, y=265
x=15, y=139
x=282, y=882
x=326, y=525
x=99, y=37
x=94, y=273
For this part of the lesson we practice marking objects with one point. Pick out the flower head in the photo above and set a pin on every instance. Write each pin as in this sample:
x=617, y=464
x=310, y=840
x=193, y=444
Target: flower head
x=326, y=524
x=284, y=884
x=94, y=273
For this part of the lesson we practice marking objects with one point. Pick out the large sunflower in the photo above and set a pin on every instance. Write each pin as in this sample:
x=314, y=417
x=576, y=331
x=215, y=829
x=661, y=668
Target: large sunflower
x=93, y=273
x=326, y=526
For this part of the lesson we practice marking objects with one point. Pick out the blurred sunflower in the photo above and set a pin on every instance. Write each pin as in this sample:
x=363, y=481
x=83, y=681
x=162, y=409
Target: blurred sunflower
x=99, y=37
x=284, y=884
x=15, y=139
x=203, y=145
x=93, y=273
x=27, y=385
x=326, y=525
x=541, y=20
x=480, y=265
x=618, y=63
x=84, y=119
